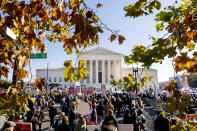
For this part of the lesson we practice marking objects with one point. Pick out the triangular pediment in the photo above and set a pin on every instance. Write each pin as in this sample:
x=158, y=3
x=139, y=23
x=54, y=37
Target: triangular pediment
x=101, y=51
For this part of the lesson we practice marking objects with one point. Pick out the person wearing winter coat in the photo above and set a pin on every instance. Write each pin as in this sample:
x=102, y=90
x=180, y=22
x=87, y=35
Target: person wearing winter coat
x=59, y=122
x=37, y=120
x=72, y=118
x=100, y=113
x=161, y=123
x=94, y=114
x=52, y=113
x=81, y=124
x=109, y=107
x=127, y=117
x=110, y=120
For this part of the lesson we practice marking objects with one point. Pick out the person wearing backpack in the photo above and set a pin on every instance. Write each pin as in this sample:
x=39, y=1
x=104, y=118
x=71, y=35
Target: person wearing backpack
x=52, y=113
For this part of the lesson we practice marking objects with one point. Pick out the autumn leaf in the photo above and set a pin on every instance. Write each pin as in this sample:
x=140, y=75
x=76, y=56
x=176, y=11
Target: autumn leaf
x=14, y=89
x=69, y=73
x=188, y=19
x=99, y=5
x=130, y=77
x=27, y=29
x=22, y=60
x=89, y=14
x=112, y=37
x=39, y=83
x=42, y=35
x=21, y=73
x=120, y=39
x=17, y=87
x=4, y=71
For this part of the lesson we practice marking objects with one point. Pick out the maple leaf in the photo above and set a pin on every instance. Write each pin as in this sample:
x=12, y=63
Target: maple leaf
x=21, y=73
x=39, y=83
x=4, y=71
x=23, y=60
x=99, y=5
x=120, y=39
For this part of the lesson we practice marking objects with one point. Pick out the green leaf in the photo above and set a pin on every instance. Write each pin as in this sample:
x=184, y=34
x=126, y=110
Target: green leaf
x=159, y=27
x=164, y=16
x=112, y=37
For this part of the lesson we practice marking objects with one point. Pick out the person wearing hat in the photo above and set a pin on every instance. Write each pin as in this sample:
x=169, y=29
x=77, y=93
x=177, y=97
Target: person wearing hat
x=59, y=121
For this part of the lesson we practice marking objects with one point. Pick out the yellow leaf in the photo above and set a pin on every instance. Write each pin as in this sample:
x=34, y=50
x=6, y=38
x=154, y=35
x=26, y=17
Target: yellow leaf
x=21, y=73
x=131, y=78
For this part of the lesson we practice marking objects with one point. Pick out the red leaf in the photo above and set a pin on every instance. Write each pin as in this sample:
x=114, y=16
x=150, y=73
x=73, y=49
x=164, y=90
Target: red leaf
x=99, y=5
x=188, y=19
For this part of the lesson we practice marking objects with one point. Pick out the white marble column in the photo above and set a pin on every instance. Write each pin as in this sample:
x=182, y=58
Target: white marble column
x=96, y=71
x=120, y=69
x=103, y=71
x=91, y=71
x=108, y=70
x=114, y=68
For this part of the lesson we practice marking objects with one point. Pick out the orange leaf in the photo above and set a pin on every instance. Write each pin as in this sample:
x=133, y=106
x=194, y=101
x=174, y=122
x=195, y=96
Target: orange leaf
x=39, y=83
x=120, y=39
x=99, y=5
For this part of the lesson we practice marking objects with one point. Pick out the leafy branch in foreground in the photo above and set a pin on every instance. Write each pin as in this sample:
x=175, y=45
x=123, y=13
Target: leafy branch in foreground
x=37, y=21
x=130, y=83
x=180, y=22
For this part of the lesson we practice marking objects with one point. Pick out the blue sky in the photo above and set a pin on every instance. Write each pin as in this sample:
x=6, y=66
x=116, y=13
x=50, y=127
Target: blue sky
x=136, y=31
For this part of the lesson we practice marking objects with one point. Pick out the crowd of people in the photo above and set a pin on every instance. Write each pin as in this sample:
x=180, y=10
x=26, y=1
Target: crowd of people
x=164, y=121
x=103, y=111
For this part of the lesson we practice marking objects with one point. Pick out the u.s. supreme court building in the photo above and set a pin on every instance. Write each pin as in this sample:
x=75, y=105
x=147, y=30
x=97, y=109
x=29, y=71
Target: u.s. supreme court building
x=101, y=64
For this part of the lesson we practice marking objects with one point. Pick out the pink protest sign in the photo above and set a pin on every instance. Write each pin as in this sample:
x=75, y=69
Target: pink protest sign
x=87, y=92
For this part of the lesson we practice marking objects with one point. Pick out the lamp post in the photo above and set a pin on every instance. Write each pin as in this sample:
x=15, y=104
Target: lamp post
x=47, y=75
x=135, y=73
